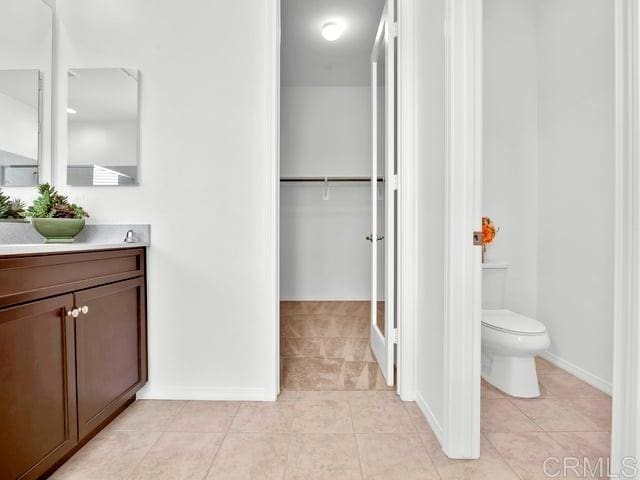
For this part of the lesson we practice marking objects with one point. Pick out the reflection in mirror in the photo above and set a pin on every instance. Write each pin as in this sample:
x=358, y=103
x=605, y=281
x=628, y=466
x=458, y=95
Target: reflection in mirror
x=26, y=49
x=19, y=127
x=102, y=122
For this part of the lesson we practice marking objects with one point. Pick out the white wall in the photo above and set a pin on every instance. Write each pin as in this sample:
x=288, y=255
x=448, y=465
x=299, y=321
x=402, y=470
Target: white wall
x=204, y=163
x=325, y=131
x=18, y=127
x=549, y=166
x=26, y=43
x=576, y=171
x=510, y=195
x=103, y=142
x=430, y=73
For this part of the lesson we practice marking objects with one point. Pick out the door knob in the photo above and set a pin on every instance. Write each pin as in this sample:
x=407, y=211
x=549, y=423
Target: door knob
x=85, y=309
x=369, y=237
x=73, y=313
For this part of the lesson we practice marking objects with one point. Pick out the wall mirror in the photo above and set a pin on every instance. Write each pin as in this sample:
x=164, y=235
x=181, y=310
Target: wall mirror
x=102, y=127
x=26, y=52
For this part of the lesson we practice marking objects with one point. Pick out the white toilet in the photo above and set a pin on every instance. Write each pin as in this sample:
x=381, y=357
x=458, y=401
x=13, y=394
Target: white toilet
x=510, y=341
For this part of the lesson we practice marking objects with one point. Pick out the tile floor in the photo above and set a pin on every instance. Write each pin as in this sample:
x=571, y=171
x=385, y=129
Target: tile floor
x=344, y=435
x=334, y=420
x=325, y=346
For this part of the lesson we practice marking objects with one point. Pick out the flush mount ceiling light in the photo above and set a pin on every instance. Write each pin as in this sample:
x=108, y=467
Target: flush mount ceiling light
x=71, y=111
x=332, y=31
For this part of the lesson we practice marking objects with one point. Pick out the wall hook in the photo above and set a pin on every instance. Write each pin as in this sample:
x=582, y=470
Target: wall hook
x=325, y=194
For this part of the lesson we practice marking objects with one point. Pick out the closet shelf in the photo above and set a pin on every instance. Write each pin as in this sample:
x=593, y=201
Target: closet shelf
x=328, y=179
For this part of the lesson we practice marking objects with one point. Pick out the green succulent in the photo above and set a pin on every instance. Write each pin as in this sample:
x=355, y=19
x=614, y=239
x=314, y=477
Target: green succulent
x=16, y=209
x=51, y=204
x=10, y=208
x=4, y=205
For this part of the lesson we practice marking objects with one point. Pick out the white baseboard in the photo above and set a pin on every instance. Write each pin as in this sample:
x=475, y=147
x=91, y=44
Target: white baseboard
x=202, y=393
x=578, y=372
x=431, y=418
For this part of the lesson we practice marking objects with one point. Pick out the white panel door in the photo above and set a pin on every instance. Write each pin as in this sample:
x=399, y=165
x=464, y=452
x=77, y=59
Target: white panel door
x=383, y=198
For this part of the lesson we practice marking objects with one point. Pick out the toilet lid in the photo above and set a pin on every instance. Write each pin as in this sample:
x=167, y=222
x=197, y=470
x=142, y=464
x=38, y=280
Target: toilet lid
x=511, y=322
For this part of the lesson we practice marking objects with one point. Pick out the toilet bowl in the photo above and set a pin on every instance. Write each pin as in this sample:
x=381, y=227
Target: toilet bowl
x=510, y=341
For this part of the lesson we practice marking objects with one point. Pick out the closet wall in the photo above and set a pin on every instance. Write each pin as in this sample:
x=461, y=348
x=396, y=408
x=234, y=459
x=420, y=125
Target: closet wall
x=325, y=131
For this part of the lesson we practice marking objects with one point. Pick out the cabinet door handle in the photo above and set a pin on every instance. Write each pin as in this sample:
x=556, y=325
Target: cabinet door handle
x=73, y=313
x=85, y=309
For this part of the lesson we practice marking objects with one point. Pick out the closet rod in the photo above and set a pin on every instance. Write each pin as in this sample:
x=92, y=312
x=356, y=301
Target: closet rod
x=328, y=179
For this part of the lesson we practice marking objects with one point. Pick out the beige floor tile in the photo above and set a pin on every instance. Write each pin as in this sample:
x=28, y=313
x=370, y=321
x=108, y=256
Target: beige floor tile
x=564, y=385
x=361, y=376
x=110, y=455
x=351, y=349
x=598, y=410
x=490, y=465
x=179, y=456
x=395, y=456
x=418, y=419
x=310, y=373
x=322, y=416
x=594, y=445
x=147, y=415
x=489, y=391
x=534, y=456
x=301, y=347
x=323, y=457
x=500, y=415
x=381, y=416
x=287, y=395
x=555, y=415
x=204, y=417
x=264, y=417
x=336, y=395
x=246, y=456
x=545, y=367
x=374, y=397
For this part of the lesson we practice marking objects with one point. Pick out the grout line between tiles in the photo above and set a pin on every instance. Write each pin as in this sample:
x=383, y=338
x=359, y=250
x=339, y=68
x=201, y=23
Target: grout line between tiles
x=224, y=437
x=162, y=432
x=503, y=458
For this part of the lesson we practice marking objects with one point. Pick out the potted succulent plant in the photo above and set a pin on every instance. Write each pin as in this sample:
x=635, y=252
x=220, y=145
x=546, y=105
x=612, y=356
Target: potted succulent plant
x=54, y=217
x=11, y=210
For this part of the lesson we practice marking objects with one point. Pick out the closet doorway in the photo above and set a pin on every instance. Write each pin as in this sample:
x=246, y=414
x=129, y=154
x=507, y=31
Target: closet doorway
x=338, y=194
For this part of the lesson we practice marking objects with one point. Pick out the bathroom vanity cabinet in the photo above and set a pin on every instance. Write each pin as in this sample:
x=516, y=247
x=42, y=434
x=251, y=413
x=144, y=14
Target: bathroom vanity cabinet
x=73, y=351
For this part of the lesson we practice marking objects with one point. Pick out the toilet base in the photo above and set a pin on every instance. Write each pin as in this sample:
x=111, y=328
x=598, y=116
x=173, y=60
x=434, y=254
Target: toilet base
x=515, y=376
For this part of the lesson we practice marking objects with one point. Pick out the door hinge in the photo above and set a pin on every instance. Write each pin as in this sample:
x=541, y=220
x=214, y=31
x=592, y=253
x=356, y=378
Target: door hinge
x=395, y=182
x=394, y=335
x=394, y=29
x=477, y=239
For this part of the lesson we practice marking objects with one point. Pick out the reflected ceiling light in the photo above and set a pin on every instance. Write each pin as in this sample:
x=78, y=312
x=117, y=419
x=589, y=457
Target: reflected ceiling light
x=71, y=111
x=332, y=31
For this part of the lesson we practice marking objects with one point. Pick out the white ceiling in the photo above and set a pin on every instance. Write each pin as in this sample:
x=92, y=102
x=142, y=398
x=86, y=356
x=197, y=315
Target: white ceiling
x=103, y=94
x=22, y=85
x=308, y=59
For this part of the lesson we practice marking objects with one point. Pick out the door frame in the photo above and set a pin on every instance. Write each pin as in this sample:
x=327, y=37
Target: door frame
x=625, y=437
x=407, y=211
x=464, y=24
x=463, y=212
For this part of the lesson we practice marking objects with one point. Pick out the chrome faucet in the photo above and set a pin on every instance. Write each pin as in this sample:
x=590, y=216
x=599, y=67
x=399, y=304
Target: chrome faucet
x=129, y=238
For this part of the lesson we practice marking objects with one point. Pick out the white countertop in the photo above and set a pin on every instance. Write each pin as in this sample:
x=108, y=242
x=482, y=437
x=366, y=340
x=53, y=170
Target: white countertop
x=35, y=248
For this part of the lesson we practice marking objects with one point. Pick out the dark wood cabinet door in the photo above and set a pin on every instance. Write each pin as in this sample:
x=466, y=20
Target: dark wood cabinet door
x=37, y=387
x=111, y=350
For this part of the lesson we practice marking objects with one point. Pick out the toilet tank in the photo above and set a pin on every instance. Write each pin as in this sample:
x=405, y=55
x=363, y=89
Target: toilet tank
x=494, y=282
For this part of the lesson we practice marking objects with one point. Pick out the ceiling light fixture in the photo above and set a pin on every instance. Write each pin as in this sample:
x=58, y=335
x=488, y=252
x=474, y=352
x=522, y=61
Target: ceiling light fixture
x=71, y=111
x=332, y=31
